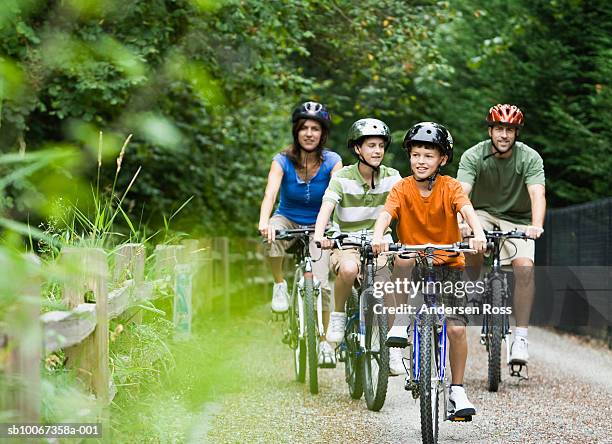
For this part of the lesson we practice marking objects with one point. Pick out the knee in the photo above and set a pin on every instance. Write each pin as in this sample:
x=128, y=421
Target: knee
x=456, y=333
x=523, y=269
x=348, y=271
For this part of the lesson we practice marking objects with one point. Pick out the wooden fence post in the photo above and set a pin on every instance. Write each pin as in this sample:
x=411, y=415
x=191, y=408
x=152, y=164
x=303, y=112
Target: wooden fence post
x=225, y=261
x=25, y=342
x=88, y=272
x=129, y=264
x=208, y=272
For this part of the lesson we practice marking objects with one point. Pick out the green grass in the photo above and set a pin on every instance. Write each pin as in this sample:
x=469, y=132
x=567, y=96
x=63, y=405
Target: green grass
x=214, y=362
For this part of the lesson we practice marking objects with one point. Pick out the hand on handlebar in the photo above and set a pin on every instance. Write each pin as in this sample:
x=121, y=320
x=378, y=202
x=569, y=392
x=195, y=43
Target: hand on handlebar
x=379, y=246
x=478, y=243
x=267, y=231
x=534, y=232
x=324, y=242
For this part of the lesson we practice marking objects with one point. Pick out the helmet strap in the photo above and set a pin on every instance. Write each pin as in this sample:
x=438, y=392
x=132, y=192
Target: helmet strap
x=431, y=179
x=375, y=169
x=497, y=151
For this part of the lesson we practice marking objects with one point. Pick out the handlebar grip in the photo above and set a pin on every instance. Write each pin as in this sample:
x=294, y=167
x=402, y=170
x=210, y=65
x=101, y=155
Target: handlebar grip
x=463, y=245
x=395, y=247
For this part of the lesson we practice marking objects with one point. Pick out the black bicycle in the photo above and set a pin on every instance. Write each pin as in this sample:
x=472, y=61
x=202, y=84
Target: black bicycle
x=304, y=320
x=365, y=355
x=496, y=320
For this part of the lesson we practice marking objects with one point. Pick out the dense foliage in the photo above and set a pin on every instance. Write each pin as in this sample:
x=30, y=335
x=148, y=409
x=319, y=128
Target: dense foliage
x=206, y=87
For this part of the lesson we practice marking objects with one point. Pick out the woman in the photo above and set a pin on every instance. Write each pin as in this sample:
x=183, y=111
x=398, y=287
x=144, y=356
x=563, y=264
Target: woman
x=301, y=172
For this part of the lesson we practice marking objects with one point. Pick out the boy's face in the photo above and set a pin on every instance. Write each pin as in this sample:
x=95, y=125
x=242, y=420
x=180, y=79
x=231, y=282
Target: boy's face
x=372, y=149
x=425, y=160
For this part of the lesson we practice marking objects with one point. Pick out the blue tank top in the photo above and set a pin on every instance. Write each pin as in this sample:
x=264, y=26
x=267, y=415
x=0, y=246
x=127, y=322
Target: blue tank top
x=300, y=201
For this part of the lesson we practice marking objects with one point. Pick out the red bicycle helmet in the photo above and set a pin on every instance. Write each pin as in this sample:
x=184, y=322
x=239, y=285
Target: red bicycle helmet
x=509, y=115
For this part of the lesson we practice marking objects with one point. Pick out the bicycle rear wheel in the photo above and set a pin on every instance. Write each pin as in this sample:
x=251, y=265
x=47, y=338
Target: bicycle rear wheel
x=429, y=393
x=311, y=334
x=353, y=370
x=494, y=337
x=376, y=356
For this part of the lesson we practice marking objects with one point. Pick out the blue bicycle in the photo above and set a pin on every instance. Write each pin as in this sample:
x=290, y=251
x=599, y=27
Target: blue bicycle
x=426, y=378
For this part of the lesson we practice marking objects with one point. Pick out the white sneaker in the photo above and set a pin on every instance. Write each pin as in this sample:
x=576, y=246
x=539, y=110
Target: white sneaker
x=396, y=364
x=458, y=402
x=327, y=355
x=518, y=351
x=397, y=337
x=280, y=298
x=335, y=329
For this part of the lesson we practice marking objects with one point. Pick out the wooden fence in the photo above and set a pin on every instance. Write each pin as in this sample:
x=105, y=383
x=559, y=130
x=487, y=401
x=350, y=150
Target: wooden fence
x=94, y=294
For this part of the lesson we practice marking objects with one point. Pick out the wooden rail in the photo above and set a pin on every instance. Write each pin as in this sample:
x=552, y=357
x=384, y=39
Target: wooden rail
x=95, y=294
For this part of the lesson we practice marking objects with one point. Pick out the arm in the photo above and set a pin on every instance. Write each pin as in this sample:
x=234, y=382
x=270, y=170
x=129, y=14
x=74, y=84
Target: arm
x=327, y=208
x=463, y=227
x=479, y=241
x=336, y=167
x=382, y=223
x=537, y=194
x=275, y=177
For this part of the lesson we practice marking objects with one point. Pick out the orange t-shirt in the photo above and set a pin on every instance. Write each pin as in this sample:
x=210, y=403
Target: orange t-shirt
x=431, y=219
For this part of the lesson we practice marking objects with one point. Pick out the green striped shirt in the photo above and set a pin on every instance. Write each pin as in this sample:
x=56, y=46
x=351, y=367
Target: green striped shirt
x=357, y=204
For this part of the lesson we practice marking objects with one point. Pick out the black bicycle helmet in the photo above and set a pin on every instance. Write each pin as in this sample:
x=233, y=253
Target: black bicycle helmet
x=312, y=110
x=431, y=132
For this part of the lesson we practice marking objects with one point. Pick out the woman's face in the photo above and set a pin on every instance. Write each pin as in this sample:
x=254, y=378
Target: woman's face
x=309, y=135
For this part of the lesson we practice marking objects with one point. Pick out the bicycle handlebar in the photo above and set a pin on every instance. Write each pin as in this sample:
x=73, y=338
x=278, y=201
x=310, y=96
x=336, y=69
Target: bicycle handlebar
x=457, y=247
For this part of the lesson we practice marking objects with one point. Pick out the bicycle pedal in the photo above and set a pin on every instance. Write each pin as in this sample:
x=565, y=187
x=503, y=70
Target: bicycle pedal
x=516, y=369
x=453, y=418
x=341, y=355
x=277, y=316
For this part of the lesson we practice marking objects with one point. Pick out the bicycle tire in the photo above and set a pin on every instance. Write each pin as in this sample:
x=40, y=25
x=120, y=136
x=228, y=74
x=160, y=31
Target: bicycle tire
x=311, y=334
x=353, y=370
x=376, y=356
x=298, y=345
x=494, y=337
x=429, y=394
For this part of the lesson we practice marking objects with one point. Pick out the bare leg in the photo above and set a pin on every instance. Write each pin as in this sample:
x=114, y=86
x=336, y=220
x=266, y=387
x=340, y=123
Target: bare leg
x=276, y=265
x=344, y=282
x=457, y=337
x=325, y=314
x=524, y=290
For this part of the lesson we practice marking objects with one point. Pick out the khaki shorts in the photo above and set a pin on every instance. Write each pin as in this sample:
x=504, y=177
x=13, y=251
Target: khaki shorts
x=338, y=256
x=320, y=263
x=512, y=248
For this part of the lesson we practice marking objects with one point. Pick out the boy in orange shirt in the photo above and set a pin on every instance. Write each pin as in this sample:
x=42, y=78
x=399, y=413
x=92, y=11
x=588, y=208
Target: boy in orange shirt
x=426, y=206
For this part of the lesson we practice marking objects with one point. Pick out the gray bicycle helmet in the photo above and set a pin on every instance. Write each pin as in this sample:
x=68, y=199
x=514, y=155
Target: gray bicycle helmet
x=368, y=128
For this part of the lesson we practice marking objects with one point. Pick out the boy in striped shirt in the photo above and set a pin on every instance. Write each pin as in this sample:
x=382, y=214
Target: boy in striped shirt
x=355, y=195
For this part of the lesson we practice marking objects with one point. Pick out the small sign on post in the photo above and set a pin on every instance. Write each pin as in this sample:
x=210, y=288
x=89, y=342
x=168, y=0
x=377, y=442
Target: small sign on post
x=182, y=299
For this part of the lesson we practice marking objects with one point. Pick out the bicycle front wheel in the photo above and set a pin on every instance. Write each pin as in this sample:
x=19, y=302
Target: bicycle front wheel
x=297, y=344
x=311, y=333
x=376, y=356
x=429, y=393
x=352, y=365
x=494, y=337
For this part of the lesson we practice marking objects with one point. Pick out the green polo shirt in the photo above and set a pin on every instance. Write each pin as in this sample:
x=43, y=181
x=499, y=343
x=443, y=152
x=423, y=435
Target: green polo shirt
x=499, y=186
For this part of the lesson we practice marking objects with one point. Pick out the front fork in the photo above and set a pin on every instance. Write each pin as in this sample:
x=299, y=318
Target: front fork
x=316, y=287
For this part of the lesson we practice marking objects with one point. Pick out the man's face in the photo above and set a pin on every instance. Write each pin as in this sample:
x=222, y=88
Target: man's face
x=503, y=137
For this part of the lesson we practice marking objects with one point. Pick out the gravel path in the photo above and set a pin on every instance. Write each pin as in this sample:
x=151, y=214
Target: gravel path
x=568, y=399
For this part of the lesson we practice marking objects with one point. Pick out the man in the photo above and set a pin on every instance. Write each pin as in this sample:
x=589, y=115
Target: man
x=505, y=181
